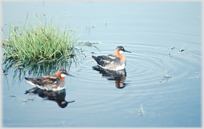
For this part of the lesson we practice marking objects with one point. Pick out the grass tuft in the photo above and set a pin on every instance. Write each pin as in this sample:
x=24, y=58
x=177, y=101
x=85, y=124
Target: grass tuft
x=44, y=42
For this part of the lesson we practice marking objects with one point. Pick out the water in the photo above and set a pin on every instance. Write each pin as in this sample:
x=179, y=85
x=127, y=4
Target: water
x=149, y=30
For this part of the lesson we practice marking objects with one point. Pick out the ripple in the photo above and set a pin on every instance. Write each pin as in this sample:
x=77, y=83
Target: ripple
x=146, y=67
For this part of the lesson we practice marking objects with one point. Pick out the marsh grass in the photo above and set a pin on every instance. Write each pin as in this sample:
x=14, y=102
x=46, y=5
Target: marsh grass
x=44, y=42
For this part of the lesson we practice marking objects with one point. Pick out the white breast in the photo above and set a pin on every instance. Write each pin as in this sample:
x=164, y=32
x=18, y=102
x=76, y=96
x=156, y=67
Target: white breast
x=120, y=67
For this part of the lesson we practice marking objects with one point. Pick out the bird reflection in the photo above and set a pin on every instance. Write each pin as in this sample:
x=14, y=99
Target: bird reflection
x=57, y=96
x=119, y=76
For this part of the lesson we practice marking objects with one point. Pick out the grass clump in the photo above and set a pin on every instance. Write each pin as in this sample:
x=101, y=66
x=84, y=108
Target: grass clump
x=40, y=43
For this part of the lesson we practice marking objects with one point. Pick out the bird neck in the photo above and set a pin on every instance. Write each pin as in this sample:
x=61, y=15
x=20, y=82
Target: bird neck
x=120, y=55
x=59, y=76
x=59, y=103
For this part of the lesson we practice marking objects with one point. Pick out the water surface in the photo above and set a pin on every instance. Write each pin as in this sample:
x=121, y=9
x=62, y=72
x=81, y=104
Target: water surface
x=149, y=30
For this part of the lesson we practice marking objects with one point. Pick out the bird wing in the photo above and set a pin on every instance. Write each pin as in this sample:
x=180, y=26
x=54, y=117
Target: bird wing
x=45, y=80
x=105, y=60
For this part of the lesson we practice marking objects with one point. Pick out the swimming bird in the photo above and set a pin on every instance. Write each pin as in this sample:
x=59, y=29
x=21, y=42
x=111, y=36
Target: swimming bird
x=112, y=62
x=50, y=82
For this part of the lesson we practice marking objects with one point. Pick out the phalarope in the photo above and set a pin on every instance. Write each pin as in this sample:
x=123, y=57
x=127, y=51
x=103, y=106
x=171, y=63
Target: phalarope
x=112, y=62
x=50, y=82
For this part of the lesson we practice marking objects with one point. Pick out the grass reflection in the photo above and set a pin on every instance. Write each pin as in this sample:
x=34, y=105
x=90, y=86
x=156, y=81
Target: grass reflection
x=35, y=69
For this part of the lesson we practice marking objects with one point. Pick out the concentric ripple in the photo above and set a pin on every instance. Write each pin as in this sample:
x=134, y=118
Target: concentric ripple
x=147, y=65
x=151, y=72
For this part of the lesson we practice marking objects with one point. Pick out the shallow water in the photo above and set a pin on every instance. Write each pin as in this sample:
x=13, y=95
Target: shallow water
x=148, y=30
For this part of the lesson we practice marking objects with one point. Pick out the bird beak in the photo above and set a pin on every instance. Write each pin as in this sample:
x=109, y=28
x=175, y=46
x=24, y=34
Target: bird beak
x=66, y=74
x=127, y=51
x=70, y=75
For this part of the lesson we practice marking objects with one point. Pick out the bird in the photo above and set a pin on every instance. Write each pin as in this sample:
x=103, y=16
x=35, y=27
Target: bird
x=112, y=62
x=50, y=82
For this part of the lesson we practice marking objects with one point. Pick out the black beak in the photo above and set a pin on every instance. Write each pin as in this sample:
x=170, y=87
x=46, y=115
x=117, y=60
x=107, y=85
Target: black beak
x=127, y=51
x=65, y=73
x=70, y=75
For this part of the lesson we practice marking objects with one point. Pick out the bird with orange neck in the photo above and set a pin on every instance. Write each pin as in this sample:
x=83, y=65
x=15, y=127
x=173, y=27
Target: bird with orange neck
x=50, y=82
x=112, y=62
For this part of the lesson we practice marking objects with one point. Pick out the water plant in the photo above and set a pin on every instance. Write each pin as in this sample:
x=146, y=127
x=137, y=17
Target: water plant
x=182, y=49
x=171, y=49
x=166, y=74
x=141, y=111
x=44, y=42
x=161, y=58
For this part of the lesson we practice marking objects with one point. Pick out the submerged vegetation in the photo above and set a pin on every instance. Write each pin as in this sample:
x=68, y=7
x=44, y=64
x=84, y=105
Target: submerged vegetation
x=44, y=42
